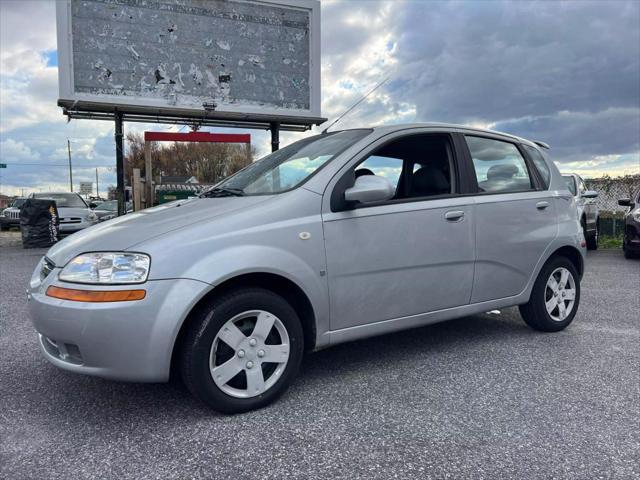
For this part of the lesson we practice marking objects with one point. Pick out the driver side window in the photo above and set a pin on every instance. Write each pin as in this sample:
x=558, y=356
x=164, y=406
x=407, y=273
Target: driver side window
x=417, y=166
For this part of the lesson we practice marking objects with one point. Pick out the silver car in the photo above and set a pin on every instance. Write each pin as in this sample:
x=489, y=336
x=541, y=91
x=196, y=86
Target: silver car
x=75, y=214
x=334, y=238
x=587, y=208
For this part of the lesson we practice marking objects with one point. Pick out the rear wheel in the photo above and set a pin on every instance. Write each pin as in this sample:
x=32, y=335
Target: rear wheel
x=242, y=351
x=591, y=238
x=555, y=297
x=628, y=253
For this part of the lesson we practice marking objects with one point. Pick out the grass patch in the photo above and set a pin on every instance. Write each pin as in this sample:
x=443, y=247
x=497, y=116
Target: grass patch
x=608, y=241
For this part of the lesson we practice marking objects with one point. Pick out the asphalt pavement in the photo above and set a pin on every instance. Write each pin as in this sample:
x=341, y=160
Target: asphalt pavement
x=479, y=397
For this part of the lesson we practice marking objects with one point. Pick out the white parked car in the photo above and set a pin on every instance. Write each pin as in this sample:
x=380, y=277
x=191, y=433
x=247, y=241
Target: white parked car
x=75, y=214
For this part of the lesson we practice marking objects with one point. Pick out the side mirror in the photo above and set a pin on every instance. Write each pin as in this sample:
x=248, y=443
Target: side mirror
x=93, y=205
x=625, y=202
x=590, y=194
x=370, y=188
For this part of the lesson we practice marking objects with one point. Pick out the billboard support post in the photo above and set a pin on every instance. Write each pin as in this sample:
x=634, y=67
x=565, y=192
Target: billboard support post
x=148, y=177
x=70, y=170
x=119, y=163
x=274, y=127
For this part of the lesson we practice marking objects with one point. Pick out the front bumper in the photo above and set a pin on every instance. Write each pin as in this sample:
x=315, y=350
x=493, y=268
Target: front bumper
x=14, y=222
x=632, y=236
x=130, y=341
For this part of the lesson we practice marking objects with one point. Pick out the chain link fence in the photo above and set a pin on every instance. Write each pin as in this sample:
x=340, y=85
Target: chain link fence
x=611, y=189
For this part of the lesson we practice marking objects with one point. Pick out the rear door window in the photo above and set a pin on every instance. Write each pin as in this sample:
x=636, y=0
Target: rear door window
x=499, y=166
x=540, y=164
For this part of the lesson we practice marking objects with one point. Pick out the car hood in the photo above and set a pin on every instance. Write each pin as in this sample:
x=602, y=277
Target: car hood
x=122, y=233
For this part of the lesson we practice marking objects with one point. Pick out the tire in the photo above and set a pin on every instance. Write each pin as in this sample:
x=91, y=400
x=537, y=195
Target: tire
x=592, y=241
x=206, y=343
x=629, y=255
x=535, y=312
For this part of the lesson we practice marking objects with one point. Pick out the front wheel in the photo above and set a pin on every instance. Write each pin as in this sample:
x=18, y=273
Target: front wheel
x=555, y=297
x=242, y=350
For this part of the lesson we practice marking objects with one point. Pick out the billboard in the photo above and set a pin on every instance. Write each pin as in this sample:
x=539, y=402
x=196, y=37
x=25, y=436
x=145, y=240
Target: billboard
x=190, y=57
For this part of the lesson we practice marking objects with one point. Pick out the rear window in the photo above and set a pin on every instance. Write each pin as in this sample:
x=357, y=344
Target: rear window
x=571, y=183
x=539, y=163
x=500, y=168
x=63, y=199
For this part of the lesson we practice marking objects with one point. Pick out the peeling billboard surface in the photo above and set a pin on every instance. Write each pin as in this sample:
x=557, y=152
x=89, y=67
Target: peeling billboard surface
x=180, y=54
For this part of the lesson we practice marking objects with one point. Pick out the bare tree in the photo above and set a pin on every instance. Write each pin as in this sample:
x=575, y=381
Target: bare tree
x=208, y=162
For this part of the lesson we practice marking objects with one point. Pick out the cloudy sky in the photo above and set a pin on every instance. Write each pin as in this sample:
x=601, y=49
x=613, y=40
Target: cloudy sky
x=567, y=73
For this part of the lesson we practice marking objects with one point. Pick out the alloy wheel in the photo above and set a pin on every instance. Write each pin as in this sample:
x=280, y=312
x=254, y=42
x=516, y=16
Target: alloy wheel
x=249, y=354
x=560, y=294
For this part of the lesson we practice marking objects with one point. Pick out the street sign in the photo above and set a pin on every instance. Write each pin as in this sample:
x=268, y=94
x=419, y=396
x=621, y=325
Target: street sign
x=86, y=188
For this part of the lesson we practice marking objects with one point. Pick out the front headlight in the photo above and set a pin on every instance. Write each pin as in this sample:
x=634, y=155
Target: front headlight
x=91, y=217
x=636, y=215
x=107, y=268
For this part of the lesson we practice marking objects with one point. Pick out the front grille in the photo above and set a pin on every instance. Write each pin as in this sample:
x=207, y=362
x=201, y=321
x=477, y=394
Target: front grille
x=47, y=267
x=13, y=215
x=71, y=220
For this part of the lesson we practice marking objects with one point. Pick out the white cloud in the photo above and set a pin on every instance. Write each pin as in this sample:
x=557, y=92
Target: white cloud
x=12, y=151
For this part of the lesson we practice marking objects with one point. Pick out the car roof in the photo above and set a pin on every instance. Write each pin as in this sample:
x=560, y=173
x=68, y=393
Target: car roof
x=56, y=193
x=452, y=126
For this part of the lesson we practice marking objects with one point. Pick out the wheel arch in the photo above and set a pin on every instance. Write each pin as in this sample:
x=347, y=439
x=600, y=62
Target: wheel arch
x=278, y=284
x=574, y=256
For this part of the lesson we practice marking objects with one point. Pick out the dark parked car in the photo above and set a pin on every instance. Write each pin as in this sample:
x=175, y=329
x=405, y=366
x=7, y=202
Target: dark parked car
x=631, y=242
x=109, y=209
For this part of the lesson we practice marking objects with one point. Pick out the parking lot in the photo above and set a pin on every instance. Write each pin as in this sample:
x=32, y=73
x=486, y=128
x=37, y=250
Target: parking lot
x=479, y=397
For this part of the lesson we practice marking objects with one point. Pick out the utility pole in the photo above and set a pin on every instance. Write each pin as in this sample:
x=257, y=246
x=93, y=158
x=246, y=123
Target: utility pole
x=97, y=189
x=70, y=172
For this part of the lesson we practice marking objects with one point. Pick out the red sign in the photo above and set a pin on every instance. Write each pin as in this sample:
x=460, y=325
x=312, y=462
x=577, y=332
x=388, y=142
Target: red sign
x=197, y=137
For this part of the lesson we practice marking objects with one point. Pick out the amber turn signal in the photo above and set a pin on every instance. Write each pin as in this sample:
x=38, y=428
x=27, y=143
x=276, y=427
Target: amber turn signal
x=95, y=295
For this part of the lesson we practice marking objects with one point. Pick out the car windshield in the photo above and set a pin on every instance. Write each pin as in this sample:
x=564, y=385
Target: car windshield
x=63, y=199
x=289, y=167
x=18, y=202
x=571, y=183
x=111, y=206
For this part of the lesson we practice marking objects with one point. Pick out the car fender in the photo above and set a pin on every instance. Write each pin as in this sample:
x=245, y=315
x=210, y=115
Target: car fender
x=228, y=263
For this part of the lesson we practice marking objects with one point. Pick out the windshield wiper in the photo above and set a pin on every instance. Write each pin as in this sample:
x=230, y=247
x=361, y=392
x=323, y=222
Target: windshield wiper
x=223, y=192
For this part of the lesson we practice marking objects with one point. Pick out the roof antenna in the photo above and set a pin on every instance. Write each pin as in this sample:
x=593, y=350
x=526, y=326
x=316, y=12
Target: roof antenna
x=357, y=103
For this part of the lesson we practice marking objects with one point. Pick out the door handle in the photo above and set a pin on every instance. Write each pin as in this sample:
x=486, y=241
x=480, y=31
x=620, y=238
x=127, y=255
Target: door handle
x=542, y=205
x=454, y=215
